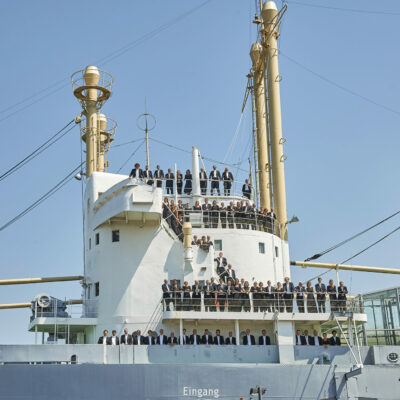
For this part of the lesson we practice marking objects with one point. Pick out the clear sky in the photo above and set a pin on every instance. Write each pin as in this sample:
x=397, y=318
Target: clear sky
x=342, y=150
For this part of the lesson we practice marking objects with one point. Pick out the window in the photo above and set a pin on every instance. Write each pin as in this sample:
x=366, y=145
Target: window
x=97, y=238
x=97, y=288
x=90, y=243
x=218, y=245
x=115, y=236
x=276, y=251
x=261, y=248
x=88, y=290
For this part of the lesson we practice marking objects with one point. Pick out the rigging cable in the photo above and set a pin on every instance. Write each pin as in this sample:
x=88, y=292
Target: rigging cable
x=331, y=82
x=49, y=142
x=133, y=153
x=334, y=247
x=354, y=10
x=102, y=61
x=48, y=194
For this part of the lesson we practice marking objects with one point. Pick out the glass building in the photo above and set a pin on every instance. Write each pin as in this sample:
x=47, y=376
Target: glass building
x=383, y=312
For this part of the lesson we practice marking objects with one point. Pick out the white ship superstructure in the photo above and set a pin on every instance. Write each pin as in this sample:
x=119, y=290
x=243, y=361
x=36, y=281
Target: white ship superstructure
x=130, y=249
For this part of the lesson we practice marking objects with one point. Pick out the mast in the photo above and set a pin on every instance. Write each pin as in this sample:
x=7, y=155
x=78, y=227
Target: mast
x=256, y=54
x=271, y=27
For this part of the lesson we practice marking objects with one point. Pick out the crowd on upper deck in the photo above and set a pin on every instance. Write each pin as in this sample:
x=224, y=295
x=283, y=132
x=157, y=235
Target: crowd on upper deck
x=211, y=180
x=235, y=294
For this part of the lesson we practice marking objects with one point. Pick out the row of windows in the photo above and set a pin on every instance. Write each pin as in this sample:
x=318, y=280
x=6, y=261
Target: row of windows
x=96, y=289
x=217, y=243
x=114, y=238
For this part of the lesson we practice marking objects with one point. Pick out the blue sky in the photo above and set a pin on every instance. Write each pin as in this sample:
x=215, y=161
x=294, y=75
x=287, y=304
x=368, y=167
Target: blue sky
x=342, y=151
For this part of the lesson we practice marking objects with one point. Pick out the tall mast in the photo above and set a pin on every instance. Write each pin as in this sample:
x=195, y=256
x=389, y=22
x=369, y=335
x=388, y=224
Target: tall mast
x=271, y=27
x=257, y=58
x=92, y=88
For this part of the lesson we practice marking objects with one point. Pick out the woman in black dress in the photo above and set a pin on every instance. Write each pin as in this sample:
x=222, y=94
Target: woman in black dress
x=279, y=300
x=188, y=182
x=236, y=303
x=214, y=214
x=245, y=295
x=325, y=341
x=331, y=289
x=311, y=306
x=179, y=182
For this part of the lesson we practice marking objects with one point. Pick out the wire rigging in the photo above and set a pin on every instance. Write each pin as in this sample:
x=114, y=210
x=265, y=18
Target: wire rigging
x=49, y=142
x=354, y=10
x=132, y=154
x=102, y=61
x=345, y=89
x=322, y=253
x=39, y=201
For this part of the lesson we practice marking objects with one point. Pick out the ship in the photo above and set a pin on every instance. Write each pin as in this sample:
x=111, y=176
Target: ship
x=131, y=247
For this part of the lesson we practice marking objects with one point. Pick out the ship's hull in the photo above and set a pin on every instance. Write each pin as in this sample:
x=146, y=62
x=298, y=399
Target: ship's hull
x=199, y=381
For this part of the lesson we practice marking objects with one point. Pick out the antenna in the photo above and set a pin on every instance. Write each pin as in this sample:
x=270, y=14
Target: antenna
x=146, y=122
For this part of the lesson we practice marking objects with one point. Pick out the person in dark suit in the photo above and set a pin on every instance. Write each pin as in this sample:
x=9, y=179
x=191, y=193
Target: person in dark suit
x=138, y=339
x=264, y=340
x=230, y=274
x=188, y=182
x=246, y=189
x=279, y=300
x=227, y=178
x=316, y=340
x=249, y=340
x=104, y=339
x=299, y=338
x=288, y=289
x=221, y=264
x=300, y=289
x=185, y=338
x=218, y=339
x=179, y=182
x=203, y=182
x=320, y=288
x=161, y=338
x=206, y=207
x=158, y=176
x=149, y=340
x=334, y=340
x=207, y=338
x=325, y=341
x=195, y=338
x=230, y=339
x=196, y=296
x=172, y=340
x=222, y=215
x=331, y=289
x=126, y=338
x=167, y=292
x=230, y=214
x=148, y=175
x=306, y=339
x=342, y=292
x=269, y=296
x=136, y=172
x=215, y=177
x=169, y=183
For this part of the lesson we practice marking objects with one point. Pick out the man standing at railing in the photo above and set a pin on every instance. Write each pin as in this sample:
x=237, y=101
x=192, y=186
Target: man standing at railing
x=227, y=177
x=148, y=176
x=206, y=207
x=215, y=177
x=288, y=289
x=114, y=340
x=158, y=176
x=126, y=338
x=203, y=181
x=320, y=288
x=169, y=184
x=104, y=339
x=300, y=289
x=136, y=172
x=246, y=189
x=342, y=292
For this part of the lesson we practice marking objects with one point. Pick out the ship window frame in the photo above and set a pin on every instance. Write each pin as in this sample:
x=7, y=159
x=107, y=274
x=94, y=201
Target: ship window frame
x=276, y=251
x=97, y=241
x=218, y=245
x=261, y=247
x=97, y=289
x=90, y=243
x=115, y=236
